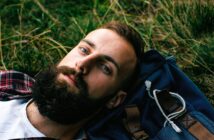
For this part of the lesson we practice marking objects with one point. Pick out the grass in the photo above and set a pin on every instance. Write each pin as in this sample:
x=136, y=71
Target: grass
x=37, y=33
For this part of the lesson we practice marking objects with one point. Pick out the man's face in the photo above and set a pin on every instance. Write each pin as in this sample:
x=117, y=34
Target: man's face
x=105, y=60
x=85, y=79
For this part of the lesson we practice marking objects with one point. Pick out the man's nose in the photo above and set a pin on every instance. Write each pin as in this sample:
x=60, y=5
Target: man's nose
x=85, y=64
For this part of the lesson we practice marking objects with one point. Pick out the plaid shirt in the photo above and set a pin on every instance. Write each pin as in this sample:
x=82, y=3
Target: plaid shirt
x=14, y=85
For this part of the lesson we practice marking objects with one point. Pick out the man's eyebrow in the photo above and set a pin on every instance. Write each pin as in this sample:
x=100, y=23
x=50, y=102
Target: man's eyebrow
x=104, y=57
x=89, y=42
x=108, y=58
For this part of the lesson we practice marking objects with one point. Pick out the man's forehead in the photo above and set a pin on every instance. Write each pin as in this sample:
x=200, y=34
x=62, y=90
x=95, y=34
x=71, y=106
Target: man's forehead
x=113, y=45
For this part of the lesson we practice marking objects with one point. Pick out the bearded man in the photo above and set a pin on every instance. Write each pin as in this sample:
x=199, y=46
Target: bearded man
x=94, y=75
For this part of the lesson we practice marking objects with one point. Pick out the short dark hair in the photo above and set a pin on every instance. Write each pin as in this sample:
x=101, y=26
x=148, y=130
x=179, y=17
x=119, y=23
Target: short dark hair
x=134, y=38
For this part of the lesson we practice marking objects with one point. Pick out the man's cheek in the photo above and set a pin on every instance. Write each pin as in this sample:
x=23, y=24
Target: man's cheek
x=98, y=89
x=69, y=60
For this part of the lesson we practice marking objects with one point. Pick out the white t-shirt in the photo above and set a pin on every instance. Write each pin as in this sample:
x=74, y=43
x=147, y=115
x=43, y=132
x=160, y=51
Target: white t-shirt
x=14, y=123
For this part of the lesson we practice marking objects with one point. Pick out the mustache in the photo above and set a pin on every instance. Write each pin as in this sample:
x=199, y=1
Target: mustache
x=66, y=70
x=80, y=83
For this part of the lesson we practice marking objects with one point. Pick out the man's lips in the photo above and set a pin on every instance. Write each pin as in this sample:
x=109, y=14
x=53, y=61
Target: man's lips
x=72, y=79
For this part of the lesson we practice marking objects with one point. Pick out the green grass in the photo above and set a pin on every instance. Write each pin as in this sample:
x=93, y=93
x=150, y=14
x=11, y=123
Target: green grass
x=38, y=33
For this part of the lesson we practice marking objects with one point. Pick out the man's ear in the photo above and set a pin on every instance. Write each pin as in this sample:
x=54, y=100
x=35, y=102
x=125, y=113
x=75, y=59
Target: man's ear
x=116, y=100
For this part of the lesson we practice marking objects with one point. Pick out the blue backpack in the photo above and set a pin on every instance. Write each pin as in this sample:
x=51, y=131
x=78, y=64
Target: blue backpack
x=164, y=104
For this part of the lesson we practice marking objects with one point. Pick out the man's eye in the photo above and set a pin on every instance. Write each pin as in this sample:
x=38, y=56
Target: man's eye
x=84, y=50
x=105, y=69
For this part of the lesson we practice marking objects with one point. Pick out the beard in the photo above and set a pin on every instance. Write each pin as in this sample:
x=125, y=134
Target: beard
x=56, y=101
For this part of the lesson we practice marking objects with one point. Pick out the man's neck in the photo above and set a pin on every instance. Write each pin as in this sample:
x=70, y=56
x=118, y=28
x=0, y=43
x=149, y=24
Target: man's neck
x=50, y=128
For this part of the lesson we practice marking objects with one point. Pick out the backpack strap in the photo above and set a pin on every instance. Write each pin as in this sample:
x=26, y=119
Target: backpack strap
x=132, y=123
x=197, y=129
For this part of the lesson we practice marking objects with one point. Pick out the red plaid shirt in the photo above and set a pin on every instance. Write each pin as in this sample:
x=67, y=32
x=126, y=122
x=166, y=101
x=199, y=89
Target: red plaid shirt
x=14, y=84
